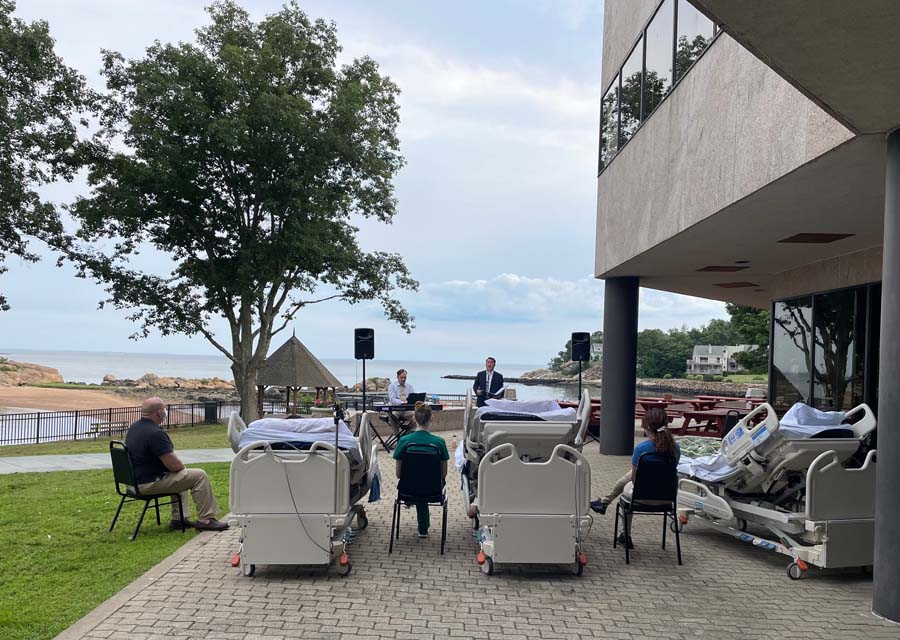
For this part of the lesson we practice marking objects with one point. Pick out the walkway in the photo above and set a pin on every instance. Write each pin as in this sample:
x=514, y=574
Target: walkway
x=83, y=461
x=725, y=588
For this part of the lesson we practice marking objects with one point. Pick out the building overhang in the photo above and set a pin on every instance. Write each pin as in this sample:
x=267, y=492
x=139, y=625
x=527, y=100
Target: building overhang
x=845, y=56
x=840, y=192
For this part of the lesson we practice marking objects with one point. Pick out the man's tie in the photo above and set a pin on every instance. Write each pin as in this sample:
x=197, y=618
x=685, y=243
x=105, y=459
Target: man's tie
x=402, y=393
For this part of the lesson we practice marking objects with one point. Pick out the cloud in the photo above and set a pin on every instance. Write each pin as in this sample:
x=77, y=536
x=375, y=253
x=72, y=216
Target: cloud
x=507, y=298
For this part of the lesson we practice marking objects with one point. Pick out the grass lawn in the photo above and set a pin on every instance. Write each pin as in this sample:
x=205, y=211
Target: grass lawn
x=747, y=378
x=210, y=436
x=59, y=562
x=75, y=385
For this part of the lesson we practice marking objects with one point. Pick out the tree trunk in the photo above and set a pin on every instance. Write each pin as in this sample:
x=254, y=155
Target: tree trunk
x=245, y=383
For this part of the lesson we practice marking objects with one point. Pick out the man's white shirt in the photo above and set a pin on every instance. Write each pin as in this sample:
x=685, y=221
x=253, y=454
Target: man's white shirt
x=398, y=394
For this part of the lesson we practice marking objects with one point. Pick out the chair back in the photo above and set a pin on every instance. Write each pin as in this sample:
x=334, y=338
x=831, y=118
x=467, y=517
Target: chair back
x=420, y=472
x=731, y=420
x=656, y=478
x=123, y=472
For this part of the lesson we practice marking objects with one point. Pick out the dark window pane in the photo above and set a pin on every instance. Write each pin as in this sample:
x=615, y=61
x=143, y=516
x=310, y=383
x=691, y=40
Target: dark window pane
x=658, y=74
x=791, y=348
x=609, y=124
x=631, y=92
x=695, y=31
x=839, y=360
x=873, y=344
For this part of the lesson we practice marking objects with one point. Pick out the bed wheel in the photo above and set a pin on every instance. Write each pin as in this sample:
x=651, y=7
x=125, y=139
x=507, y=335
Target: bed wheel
x=794, y=571
x=577, y=568
x=675, y=526
x=488, y=566
x=248, y=570
x=361, y=522
x=344, y=570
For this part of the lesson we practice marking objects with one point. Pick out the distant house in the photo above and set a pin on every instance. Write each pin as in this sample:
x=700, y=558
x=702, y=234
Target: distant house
x=715, y=359
x=597, y=352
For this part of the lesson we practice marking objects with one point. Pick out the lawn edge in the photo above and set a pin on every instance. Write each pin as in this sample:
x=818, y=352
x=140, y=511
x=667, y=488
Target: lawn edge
x=105, y=609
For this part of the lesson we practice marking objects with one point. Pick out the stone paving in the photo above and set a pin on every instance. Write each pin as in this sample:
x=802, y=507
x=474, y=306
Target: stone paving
x=725, y=588
x=84, y=461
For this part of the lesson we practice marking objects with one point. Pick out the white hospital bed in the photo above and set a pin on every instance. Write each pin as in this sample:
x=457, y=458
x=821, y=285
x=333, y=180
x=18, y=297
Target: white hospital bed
x=801, y=484
x=526, y=483
x=295, y=502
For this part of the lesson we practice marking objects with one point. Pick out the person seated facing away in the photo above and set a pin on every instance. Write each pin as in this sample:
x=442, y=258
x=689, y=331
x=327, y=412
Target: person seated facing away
x=399, y=390
x=422, y=436
x=488, y=383
x=158, y=470
x=660, y=441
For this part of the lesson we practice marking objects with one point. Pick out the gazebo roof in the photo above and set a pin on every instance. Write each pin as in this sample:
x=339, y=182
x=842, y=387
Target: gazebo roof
x=293, y=365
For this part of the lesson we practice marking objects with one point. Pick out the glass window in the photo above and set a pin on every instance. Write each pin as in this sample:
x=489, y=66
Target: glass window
x=658, y=68
x=630, y=105
x=609, y=123
x=839, y=355
x=791, y=350
x=873, y=344
x=695, y=31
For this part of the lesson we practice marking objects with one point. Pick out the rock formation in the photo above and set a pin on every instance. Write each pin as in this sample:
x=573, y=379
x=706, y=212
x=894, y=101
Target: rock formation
x=20, y=373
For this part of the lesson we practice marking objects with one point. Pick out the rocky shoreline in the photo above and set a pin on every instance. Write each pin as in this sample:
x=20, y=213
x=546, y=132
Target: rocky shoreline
x=591, y=377
x=14, y=374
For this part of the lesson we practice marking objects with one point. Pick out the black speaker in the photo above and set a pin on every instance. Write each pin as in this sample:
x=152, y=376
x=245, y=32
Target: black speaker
x=364, y=344
x=581, y=346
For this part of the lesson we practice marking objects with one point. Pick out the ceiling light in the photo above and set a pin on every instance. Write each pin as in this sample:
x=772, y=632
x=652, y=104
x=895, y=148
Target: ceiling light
x=815, y=238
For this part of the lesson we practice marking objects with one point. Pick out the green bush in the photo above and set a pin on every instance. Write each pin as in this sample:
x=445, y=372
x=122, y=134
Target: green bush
x=668, y=376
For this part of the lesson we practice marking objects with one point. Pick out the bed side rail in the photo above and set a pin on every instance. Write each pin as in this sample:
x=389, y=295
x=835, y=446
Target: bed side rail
x=583, y=417
x=745, y=436
x=235, y=427
x=267, y=481
x=836, y=493
x=559, y=486
x=865, y=424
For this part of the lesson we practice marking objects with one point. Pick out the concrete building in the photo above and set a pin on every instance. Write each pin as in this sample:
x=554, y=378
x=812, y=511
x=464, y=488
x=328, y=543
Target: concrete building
x=749, y=153
x=715, y=359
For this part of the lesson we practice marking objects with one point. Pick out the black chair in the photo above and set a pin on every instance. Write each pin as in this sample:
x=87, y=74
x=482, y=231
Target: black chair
x=731, y=419
x=123, y=474
x=656, y=480
x=420, y=481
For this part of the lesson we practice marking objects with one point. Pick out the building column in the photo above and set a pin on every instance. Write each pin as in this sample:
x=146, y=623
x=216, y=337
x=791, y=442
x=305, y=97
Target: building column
x=620, y=316
x=886, y=591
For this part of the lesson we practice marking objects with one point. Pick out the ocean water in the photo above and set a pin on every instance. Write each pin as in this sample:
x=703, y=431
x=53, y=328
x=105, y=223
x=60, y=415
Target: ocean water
x=91, y=366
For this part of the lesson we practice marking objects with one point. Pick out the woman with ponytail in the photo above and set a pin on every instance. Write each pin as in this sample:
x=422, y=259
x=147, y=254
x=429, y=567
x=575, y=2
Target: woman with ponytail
x=660, y=441
x=422, y=436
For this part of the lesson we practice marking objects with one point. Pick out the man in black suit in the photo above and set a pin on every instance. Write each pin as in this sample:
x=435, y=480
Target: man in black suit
x=488, y=383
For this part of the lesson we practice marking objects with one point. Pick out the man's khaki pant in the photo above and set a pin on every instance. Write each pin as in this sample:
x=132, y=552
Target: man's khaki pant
x=617, y=489
x=194, y=480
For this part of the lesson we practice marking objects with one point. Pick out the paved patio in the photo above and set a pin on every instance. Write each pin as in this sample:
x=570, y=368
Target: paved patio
x=84, y=461
x=725, y=588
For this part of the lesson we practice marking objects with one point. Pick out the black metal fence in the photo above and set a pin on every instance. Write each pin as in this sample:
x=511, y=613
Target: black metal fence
x=47, y=426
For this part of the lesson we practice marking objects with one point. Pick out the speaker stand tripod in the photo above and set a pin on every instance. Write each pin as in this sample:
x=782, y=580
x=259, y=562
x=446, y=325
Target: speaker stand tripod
x=579, y=380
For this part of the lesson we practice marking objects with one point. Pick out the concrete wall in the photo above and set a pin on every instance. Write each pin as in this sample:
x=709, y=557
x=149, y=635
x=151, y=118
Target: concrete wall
x=623, y=21
x=848, y=270
x=731, y=126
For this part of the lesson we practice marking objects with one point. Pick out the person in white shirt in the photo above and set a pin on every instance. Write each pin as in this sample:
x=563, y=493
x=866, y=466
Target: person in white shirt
x=399, y=390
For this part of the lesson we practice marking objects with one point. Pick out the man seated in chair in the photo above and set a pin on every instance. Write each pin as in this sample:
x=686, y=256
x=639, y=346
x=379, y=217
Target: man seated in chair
x=158, y=470
x=422, y=435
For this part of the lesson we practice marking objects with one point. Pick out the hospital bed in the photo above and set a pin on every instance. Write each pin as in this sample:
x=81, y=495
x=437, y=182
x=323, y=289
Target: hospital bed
x=526, y=483
x=810, y=487
x=296, y=488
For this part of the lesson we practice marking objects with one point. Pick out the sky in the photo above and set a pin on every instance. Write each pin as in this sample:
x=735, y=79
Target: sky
x=497, y=201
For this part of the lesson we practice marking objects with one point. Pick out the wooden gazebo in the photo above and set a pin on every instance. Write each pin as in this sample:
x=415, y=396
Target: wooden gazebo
x=294, y=367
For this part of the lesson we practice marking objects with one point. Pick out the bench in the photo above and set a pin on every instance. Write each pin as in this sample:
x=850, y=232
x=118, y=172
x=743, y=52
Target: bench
x=108, y=428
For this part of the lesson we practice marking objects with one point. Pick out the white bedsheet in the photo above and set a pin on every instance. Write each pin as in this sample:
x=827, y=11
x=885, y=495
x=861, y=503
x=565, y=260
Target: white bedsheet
x=801, y=421
x=545, y=409
x=306, y=430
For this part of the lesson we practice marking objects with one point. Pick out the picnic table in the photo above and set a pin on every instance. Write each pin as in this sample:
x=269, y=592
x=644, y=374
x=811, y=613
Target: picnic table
x=709, y=423
x=593, y=430
x=704, y=405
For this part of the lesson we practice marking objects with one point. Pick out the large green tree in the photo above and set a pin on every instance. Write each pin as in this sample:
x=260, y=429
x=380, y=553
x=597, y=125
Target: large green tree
x=39, y=143
x=753, y=327
x=248, y=157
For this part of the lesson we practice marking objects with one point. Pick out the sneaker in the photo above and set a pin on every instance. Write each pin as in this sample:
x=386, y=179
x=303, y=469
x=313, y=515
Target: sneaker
x=621, y=540
x=599, y=506
x=422, y=535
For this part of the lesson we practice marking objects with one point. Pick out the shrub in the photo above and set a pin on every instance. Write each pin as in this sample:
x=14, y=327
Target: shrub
x=668, y=376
